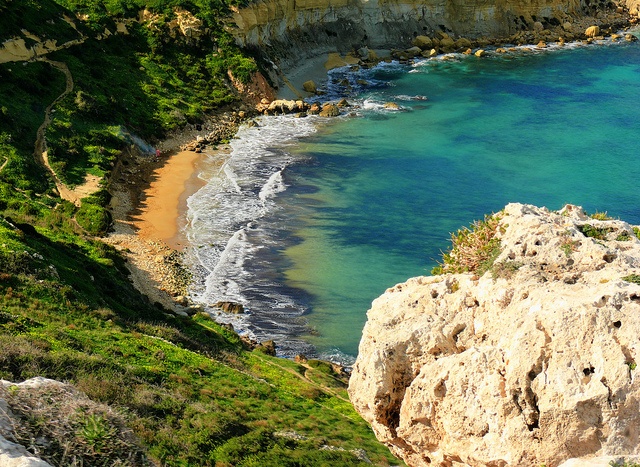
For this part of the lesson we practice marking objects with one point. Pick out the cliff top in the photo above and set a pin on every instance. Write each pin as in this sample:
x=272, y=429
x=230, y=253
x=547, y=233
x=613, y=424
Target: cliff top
x=524, y=353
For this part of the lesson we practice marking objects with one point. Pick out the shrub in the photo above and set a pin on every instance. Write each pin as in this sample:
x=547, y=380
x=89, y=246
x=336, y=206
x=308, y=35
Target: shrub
x=473, y=249
x=599, y=233
x=94, y=218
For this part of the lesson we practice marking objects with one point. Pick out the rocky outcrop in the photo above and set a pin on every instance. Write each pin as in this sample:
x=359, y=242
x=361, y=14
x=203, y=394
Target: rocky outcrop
x=531, y=362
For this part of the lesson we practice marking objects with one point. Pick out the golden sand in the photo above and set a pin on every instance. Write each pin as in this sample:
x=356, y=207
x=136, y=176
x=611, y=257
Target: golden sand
x=162, y=209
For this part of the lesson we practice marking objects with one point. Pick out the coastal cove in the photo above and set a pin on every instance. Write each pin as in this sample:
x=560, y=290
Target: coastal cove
x=310, y=219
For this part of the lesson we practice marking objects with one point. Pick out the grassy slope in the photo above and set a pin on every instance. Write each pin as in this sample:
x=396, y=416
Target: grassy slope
x=187, y=388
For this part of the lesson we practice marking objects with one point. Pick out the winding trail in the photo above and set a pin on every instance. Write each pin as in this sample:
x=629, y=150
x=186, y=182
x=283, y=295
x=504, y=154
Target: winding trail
x=91, y=183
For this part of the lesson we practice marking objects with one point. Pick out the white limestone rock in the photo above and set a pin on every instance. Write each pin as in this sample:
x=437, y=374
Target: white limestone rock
x=536, y=365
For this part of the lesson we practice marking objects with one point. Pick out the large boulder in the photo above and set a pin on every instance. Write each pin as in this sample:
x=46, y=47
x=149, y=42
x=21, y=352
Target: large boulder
x=329, y=110
x=592, y=31
x=528, y=359
x=424, y=42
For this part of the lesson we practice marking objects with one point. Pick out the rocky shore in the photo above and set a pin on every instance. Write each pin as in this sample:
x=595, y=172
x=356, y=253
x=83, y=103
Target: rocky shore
x=156, y=268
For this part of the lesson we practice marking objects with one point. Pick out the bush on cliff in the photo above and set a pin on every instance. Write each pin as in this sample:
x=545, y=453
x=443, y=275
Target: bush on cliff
x=473, y=249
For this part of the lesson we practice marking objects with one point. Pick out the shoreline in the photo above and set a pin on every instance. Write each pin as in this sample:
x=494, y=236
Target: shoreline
x=149, y=204
x=149, y=200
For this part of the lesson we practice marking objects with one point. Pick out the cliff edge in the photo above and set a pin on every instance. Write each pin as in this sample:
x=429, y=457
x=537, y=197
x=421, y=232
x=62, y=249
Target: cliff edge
x=528, y=359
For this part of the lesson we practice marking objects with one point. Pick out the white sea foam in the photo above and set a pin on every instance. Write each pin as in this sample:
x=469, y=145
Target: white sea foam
x=274, y=185
x=227, y=226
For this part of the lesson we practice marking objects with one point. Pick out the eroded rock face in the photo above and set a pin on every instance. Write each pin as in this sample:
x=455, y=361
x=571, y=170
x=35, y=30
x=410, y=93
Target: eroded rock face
x=532, y=363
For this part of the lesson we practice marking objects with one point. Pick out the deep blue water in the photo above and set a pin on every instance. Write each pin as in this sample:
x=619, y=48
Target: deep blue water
x=361, y=203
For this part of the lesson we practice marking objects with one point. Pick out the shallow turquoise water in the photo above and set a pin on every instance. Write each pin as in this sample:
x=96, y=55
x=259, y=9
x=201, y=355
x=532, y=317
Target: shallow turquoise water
x=307, y=232
x=380, y=193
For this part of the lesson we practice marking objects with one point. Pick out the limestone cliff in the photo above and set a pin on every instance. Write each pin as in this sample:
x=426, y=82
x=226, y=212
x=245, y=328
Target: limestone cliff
x=533, y=362
x=297, y=27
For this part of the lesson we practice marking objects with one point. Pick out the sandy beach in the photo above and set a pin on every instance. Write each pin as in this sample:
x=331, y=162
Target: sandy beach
x=160, y=215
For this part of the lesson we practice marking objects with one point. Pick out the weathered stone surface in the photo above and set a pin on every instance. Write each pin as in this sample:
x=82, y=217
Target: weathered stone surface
x=310, y=86
x=424, y=42
x=329, y=110
x=15, y=455
x=230, y=307
x=532, y=363
x=413, y=51
x=592, y=31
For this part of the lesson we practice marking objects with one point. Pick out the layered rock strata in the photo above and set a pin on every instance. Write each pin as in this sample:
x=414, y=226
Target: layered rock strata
x=532, y=363
x=298, y=28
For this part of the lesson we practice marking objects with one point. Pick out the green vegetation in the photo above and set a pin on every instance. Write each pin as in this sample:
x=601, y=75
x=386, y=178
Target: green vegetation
x=633, y=278
x=473, y=249
x=624, y=463
x=186, y=388
x=125, y=86
x=599, y=233
x=601, y=216
x=623, y=237
x=159, y=390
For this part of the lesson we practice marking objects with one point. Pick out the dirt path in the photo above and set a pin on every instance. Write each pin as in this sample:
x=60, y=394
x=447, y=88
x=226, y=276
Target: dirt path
x=91, y=183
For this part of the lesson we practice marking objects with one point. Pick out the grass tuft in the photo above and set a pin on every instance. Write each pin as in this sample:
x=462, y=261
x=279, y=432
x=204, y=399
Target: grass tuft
x=473, y=249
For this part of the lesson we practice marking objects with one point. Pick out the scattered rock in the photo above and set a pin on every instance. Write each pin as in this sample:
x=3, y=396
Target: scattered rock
x=282, y=107
x=329, y=110
x=391, y=106
x=480, y=53
x=630, y=38
x=315, y=109
x=463, y=43
x=447, y=44
x=343, y=103
x=424, y=42
x=230, y=307
x=532, y=362
x=182, y=300
x=364, y=53
x=413, y=52
x=310, y=86
x=267, y=347
x=592, y=31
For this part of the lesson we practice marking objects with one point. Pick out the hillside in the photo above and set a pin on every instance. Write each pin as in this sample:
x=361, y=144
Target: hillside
x=81, y=82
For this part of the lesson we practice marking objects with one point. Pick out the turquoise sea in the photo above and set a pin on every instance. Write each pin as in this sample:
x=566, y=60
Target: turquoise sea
x=311, y=219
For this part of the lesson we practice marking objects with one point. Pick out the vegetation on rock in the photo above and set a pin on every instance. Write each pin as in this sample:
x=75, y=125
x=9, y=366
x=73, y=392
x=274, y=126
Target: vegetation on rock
x=473, y=249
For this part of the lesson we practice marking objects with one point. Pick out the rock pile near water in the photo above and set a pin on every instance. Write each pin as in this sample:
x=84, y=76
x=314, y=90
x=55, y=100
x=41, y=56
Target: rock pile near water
x=552, y=30
x=532, y=362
